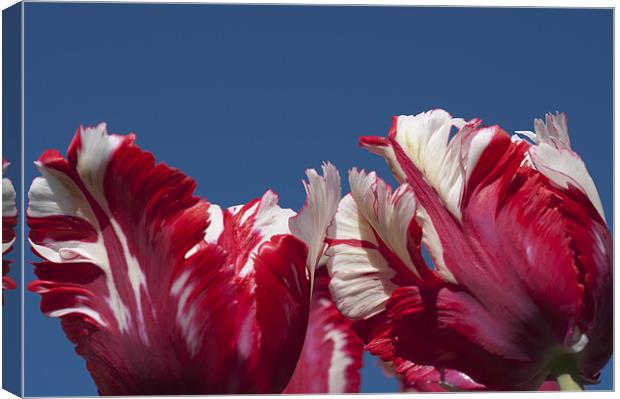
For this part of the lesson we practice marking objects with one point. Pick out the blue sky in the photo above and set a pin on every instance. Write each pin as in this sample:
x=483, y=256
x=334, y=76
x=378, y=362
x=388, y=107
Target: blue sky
x=245, y=98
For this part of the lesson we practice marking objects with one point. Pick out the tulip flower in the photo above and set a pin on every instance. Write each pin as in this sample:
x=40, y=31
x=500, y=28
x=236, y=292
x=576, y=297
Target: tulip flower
x=9, y=220
x=518, y=288
x=165, y=293
x=331, y=358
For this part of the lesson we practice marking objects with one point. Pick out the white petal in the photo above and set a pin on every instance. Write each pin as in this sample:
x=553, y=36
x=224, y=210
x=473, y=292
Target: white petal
x=360, y=277
x=388, y=214
x=310, y=225
x=268, y=219
x=445, y=163
x=430, y=239
x=8, y=198
x=553, y=156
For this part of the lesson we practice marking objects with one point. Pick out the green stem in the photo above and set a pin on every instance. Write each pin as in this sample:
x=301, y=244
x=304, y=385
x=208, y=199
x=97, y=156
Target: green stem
x=568, y=382
x=567, y=375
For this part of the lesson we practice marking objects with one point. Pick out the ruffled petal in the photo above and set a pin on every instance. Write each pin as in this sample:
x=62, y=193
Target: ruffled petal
x=417, y=378
x=310, y=225
x=161, y=292
x=275, y=253
x=113, y=229
x=148, y=314
x=375, y=245
x=552, y=155
x=424, y=138
x=268, y=296
x=332, y=354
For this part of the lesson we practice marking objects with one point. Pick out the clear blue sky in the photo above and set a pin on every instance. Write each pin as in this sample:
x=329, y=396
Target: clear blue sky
x=244, y=98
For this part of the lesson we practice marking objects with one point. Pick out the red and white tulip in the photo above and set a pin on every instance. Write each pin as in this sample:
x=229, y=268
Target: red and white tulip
x=520, y=288
x=165, y=293
x=9, y=221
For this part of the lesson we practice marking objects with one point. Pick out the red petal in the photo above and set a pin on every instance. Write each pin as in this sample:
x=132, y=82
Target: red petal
x=282, y=306
x=413, y=377
x=332, y=354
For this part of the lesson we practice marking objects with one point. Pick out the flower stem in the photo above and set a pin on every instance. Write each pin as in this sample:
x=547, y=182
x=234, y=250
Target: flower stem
x=568, y=382
x=567, y=375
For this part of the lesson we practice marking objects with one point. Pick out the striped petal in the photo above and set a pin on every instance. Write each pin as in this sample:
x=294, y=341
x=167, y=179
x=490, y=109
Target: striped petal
x=113, y=229
x=161, y=292
x=375, y=245
x=273, y=250
x=425, y=140
x=552, y=155
x=332, y=354
x=310, y=225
